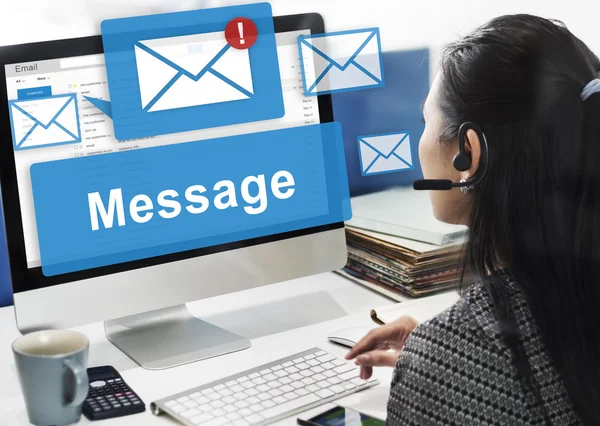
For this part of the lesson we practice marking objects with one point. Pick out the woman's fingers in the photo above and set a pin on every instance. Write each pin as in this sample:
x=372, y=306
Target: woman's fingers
x=377, y=358
x=387, y=336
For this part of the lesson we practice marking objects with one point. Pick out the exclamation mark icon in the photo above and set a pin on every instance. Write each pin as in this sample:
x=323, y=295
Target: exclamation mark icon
x=241, y=31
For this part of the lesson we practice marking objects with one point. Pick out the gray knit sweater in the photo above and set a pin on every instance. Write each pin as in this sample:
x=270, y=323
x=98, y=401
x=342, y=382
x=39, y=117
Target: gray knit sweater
x=455, y=370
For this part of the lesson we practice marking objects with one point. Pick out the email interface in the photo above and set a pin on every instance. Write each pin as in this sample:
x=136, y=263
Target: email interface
x=51, y=119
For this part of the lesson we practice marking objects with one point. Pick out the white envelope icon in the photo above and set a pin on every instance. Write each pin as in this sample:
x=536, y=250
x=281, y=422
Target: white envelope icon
x=341, y=61
x=42, y=122
x=385, y=153
x=193, y=70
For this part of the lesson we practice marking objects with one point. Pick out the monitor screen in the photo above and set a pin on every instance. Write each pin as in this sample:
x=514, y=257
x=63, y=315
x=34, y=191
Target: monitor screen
x=86, y=76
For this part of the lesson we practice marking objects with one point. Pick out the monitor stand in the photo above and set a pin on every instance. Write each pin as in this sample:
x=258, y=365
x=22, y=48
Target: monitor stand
x=170, y=337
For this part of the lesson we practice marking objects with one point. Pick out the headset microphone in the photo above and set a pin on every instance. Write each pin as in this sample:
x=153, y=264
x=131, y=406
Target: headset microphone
x=461, y=162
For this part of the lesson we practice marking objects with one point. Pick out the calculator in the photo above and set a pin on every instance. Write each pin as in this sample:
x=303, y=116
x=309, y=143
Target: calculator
x=109, y=396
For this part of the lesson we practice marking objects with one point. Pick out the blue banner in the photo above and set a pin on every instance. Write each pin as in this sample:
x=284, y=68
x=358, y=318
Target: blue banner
x=107, y=209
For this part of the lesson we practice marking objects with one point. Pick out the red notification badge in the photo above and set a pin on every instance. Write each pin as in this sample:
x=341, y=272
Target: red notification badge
x=241, y=33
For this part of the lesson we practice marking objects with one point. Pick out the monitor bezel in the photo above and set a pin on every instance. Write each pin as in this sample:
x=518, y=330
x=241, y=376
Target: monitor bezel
x=27, y=279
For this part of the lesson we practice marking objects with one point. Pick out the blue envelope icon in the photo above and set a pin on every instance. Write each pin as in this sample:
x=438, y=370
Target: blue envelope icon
x=43, y=122
x=341, y=61
x=385, y=153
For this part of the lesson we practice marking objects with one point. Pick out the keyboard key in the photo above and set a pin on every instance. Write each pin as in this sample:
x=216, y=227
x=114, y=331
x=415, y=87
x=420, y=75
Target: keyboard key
x=281, y=373
x=285, y=380
x=216, y=422
x=312, y=362
x=348, y=385
x=287, y=364
x=317, y=369
x=358, y=381
x=286, y=388
x=259, y=381
x=230, y=408
x=328, y=366
x=302, y=392
x=248, y=385
x=302, y=366
x=207, y=391
x=256, y=407
x=205, y=408
x=344, y=368
x=289, y=406
x=240, y=396
x=219, y=387
x=291, y=395
x=194, y=395
x=325, y=358
x=266, y=371
x=279, y=400
x=245, y=412
x=276, y=368
x=306, y=373
x=329, y=373
x=268, y=403
x=243, y=379
x=263, y=396
x=324, y=384
x=253, y=400
x=319, y=377
x=338, y=362
x=297, y=385
x=307, y=357
x=254, y=375
x=252, y=392
x=218, y=412
x=236, y=388
x=320, y=353
x=180, y=400
x=292, y=370
x=270, y=377
x=217, y=404
x=190, y=404
x=229, y=400
x=241, y=404
x=275, y=392
x=230, y=383
x=334, y=380
x=263, y=388
x=324, y=393
x=233, y=416
x=298, y=360
x=240, y=423
x=188, y=414
x=274, y=384
x=169, y=404
x=177, y=408
x=337, y=389
x=254, y=418
x=201, y=418
x=225, y=392
x=349, y=375
x=296, y=377
x=313, y=388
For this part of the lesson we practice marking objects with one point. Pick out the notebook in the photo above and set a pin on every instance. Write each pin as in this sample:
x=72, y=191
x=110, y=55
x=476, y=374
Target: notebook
x=403, y=212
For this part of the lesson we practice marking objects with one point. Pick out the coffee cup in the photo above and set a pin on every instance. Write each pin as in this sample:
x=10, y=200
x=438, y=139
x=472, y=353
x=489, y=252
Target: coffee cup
x=52, y=368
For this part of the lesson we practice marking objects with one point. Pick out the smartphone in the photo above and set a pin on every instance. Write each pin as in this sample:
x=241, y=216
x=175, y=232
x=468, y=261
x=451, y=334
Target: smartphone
x=341, y=416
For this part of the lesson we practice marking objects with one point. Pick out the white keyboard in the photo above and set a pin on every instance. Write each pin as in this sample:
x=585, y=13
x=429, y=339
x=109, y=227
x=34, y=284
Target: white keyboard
x=267, y=393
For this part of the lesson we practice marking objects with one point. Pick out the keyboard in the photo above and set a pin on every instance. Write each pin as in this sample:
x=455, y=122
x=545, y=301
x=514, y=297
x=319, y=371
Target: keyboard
x=267, y=393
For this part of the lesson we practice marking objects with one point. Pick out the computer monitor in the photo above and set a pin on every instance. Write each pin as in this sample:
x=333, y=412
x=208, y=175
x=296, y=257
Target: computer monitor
x=143, y=302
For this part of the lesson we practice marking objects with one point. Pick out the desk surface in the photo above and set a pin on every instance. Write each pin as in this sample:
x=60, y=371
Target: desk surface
x=286, y=318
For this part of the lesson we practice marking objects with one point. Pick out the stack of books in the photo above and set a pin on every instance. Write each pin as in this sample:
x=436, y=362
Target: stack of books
x=401, y=251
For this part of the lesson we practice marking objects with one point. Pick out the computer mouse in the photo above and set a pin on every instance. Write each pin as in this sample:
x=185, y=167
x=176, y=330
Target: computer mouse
x=349, y=336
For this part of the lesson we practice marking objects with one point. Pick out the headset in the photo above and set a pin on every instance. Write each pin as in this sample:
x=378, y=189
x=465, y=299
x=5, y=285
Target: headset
x=461, y=162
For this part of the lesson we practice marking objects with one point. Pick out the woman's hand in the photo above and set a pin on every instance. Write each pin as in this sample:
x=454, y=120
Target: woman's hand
x=381, y=346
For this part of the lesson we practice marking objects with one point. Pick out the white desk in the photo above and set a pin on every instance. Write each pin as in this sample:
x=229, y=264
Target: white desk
x=286, y=318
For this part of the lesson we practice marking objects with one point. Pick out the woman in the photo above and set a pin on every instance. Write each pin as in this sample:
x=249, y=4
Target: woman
x=522, y=346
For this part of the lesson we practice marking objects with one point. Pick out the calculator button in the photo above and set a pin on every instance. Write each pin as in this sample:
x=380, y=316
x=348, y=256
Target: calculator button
x=118, y=380
x=111, y=381
x=137, y=402
x=98, y=384
x=126, y=404
x=117, y=405
x=97, y=410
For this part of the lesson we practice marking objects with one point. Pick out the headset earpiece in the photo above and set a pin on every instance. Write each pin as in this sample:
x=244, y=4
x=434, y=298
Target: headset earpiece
x=462, y=161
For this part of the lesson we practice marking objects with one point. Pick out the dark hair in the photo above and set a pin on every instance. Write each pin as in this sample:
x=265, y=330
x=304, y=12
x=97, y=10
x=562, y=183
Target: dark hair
x=537, y=209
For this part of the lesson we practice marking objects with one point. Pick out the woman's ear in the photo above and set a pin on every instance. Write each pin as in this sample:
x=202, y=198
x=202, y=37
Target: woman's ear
x=473, y=149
